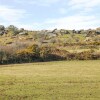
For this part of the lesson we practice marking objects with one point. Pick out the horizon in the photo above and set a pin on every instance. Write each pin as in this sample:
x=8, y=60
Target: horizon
x=50, y=14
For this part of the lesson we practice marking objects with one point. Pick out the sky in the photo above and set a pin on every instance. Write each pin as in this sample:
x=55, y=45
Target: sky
x=50, y=14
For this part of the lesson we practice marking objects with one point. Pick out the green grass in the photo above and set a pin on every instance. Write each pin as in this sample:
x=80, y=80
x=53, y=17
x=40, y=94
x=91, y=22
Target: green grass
x=63, y=80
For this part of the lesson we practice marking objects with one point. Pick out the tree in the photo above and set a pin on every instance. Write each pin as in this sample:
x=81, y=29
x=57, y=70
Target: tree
x=13, y=30
x=2, y=28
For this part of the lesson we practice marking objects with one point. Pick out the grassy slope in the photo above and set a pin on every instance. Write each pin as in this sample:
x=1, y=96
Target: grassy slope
x=64, y=80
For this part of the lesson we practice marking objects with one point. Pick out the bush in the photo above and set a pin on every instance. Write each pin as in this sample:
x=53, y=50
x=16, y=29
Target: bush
x=2, y=28
x=43, y=53
x=1, y=57
x=85, y=55
x=13, y=30
x=29, y=54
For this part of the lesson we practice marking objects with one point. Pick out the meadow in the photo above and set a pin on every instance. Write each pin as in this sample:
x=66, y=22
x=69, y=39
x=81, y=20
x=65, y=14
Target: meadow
x=58, y=80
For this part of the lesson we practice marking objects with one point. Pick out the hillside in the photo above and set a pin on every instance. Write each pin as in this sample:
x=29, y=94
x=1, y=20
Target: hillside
x=12, y=34
x=48, y=44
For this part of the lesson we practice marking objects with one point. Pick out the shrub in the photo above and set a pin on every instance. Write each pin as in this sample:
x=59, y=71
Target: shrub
x=44, y=52
x=29, y=54
x=13, y=30
x=2, y=28
x=85, y=55
x=1, y=57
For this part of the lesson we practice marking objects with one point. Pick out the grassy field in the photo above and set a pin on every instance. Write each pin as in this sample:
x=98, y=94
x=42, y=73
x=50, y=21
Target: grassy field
x=63, y=80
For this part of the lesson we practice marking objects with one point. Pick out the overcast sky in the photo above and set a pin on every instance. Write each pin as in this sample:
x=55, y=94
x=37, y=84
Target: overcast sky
x=50, y=14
